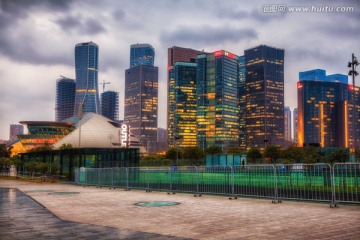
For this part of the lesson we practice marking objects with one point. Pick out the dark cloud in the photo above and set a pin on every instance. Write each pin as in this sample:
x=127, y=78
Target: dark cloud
x=206, y=35
x=118, y=14
x=256, y=14
x=79, y=24
x=24, y=6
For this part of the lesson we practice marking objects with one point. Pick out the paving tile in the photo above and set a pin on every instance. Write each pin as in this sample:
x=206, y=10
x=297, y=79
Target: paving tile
x=208, y=217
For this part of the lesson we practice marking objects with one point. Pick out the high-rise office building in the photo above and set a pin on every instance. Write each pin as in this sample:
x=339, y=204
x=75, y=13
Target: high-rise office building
x=325, y=110
x=176, y=54
x=141, y=104
x=161, y=138
x=15, y=130
x=110, y=105
x=65, y=98
x=217, y=100
x=182, y=107
x=295, y=123
x=86, y=69
x=242, y=101
x=141, y=54
x=264, y=96
x=287, y=123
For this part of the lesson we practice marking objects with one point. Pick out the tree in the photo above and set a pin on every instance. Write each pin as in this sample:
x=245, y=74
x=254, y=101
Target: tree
x=31, y=167
x=273, y=153
x=338, y=155
x=173, y=154
x=66, y=146
x=4, y=151
x=213, y=150
x=194, y=154
x=234, y=150
x=310, y=155
x=292, y=155
x=253, y=155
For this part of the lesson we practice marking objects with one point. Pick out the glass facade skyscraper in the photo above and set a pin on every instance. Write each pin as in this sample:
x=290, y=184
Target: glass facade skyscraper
x=65, y=98
x=242, y=101
x=141, y=104
x=182, y=106
x=264, y=96
x=217, y=100
x=86, y=70
x=325, y=111
x=141, y=54
x=176, y=54
x=110, y=105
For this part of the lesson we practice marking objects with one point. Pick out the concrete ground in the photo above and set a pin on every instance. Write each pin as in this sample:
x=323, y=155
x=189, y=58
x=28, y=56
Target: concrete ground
x=206, y=217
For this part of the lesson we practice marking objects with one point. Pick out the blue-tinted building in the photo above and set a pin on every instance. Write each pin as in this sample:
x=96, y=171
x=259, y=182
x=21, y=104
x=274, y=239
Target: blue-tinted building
x=182, y=105
x=110, y=105
x=264, y=96
x=325, y=111
x=141, y=104
x=65, y=98
x=141, y=54
x=313, y=75
x=217, y=100
x=86, y=69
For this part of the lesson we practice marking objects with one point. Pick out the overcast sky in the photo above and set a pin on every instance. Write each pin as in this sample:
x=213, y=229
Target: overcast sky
x=37, y=40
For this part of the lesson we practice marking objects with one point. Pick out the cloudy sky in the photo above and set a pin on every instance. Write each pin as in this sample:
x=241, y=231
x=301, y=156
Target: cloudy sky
x=37, y=39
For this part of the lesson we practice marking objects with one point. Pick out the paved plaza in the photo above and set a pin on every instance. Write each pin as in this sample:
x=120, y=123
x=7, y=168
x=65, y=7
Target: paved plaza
x=63, y=211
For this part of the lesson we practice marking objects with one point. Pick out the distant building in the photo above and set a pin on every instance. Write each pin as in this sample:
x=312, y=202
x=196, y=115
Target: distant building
x=287, y=124
x=65, y=98
x=15, y=131
x=325, y=111
x=110, y=105
x=295, y=123
x=141, y=54
x=141, y=103
x=242, y=101
x=217, y=100
x=175, y=55
x=161, y=135
x=264, y=96
x=86, y=69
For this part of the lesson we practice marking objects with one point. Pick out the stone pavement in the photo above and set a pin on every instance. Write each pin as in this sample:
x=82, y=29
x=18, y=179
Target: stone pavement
x=97, y=211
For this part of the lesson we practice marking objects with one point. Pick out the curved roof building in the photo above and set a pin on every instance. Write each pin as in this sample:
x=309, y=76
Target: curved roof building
x=96, y=131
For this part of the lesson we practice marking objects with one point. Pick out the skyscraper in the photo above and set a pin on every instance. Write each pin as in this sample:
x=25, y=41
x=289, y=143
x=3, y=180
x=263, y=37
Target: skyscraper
x=242, y=101
x=86, y=69
x=15, y=130
x=110, y=105
x=182, y=108
x=264, y=96
x=287, y=123
x=141, y=54
x=176, y=54
x=217, y=100
x=295, y=123
x=324, y=111
x=141, y=103
x=65, y=98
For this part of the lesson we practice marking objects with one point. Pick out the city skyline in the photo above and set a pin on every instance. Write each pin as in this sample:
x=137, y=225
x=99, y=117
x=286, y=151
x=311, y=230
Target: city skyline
x=29, y=68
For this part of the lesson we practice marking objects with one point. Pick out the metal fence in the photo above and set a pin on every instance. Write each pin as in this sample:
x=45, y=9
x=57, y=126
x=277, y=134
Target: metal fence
x=312, y=182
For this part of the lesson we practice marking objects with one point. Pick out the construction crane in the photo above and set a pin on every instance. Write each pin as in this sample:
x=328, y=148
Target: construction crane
x=103, y=84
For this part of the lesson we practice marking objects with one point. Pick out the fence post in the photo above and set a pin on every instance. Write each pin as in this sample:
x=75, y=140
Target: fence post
x=197, y=183
x=276, y=200
x=112, y=177
x=333, y=194
x=127, y=179
x=170, y=171
x=147, y=180
x=232, y=183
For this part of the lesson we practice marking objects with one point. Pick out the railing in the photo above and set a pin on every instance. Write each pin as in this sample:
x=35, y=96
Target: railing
x=311, y=182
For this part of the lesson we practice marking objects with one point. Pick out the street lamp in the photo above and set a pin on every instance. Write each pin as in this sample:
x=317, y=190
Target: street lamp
x=354, y=62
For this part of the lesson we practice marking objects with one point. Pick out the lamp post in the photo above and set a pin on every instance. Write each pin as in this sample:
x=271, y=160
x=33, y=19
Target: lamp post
x=354, y=62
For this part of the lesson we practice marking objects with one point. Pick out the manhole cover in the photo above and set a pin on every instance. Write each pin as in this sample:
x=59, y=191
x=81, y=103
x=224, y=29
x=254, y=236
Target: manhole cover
x=30, y=191
x=63, y=193
x=156, y=204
